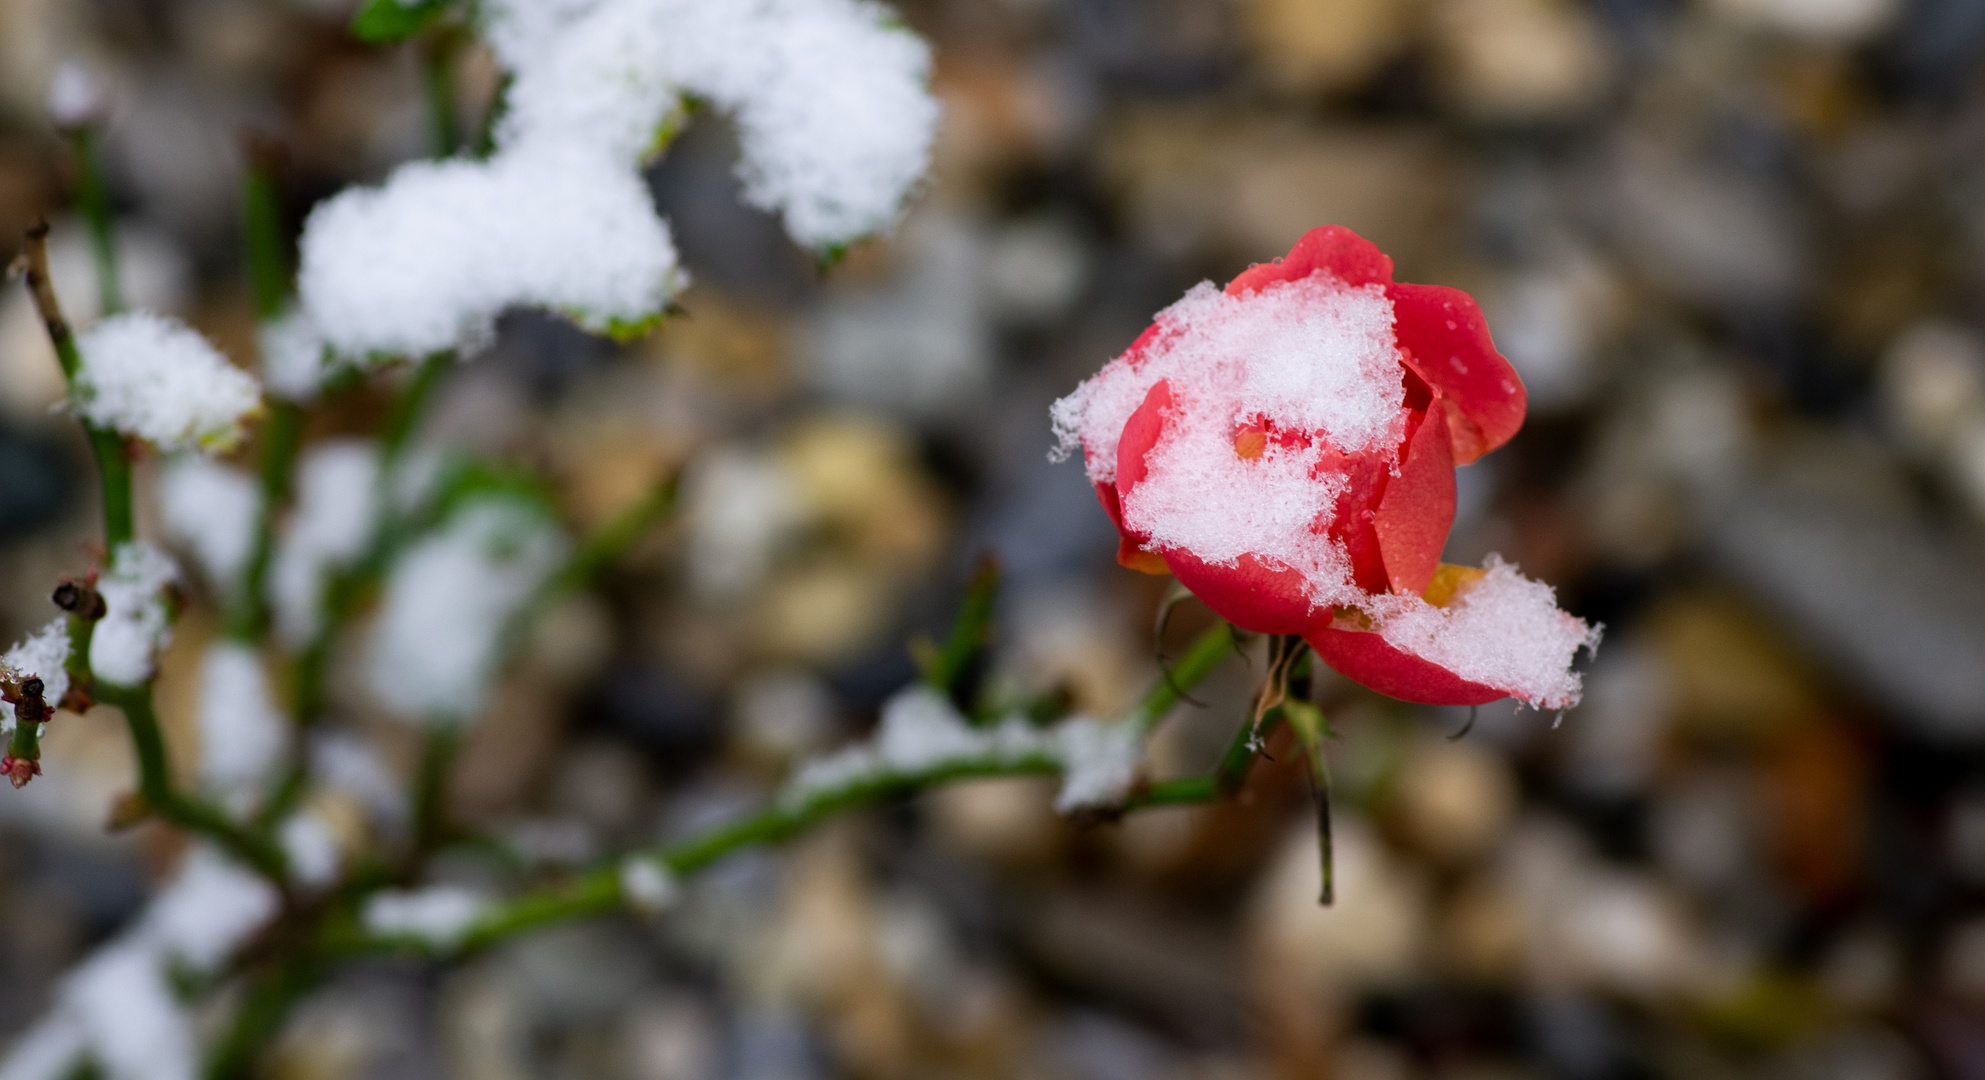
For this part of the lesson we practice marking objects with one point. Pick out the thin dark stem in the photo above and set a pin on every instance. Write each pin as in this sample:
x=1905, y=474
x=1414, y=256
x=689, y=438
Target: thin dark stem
x=112, y=457
x=430, y=796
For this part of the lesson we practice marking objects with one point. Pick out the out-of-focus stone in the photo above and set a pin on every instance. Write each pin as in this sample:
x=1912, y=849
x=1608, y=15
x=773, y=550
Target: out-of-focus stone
x=1008, y=820
x=1863, y=971
x=503, y=755
x=1832, y=541
x=858, y=476
x=917, y=345
x=822, y=613
x=1371, y=937
x=1932, y=383
x=1519, y=60
x=726, y=342
x=671, y=1037
x=601, y=783
x=1612, y=744
x=1481, y=932
x=1136, y=952
x=1734, y=677
x=782, y=714
x=1200, y=182
x=1306, y=47
x=1815, y=788
x=1590, y=926
x=1552, y=321
x=1706, y=235
x=1703, y=828
x=1842, y=22
x=1454, y=799
x=1034, y=270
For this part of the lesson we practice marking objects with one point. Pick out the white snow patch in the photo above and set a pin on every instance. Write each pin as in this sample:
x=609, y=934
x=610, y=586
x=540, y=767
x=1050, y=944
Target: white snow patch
x=243, y=736
x=647, y=885
x=153, y=377
x=136, y=1028
x=336, y=513
x=75, y=97
x=1100, y=759
x=1504, y=631
x=314, y=859
x=50, y=1050
x=211, y=908
x=126, y=641
x=921, y=733
x=449, y=601
x=212, y=509
x=295, y=358
x=44, y=655
x=437, y=915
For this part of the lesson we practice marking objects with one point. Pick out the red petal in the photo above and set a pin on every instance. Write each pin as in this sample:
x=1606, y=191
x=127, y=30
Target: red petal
x=1365, y=658
x=1348, y=257
x=1418, y=508
x=1140, y=434
x=1447, y=341
x=1256, y=594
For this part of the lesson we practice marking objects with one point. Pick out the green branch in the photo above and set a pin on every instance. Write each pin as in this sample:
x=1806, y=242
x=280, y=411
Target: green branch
x=599, y=890
x=161, y=797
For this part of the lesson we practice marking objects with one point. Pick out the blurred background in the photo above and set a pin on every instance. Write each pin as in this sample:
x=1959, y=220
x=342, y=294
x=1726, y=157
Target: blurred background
x=1736, y=248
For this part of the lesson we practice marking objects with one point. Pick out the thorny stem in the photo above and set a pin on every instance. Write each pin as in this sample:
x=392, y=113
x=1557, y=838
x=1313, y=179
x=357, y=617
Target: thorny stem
x=598, y=891
x=156, y=788
x=112, y=458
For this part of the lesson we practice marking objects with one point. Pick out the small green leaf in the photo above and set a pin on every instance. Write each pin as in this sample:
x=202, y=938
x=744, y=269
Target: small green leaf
x=381, y=21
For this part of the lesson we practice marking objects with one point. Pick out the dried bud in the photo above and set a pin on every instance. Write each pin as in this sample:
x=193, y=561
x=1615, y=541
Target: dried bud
x=78, y=597
x=31, y=708
x=19, y=770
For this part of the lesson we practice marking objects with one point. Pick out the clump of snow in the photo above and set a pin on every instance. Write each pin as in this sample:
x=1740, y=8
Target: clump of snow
x=336, y=513
x=212, y=509
x=438, y=915
x=921, y=733
x=153, y=377
x=295, y=358
x=1312, y=357
x=1502, y=630
x=74, y=96
x=835, y=126
x=1100, y=760
x=343, y=762
x=243, y=736
x=647, y=885
x=50, y=1050
x=135, y=626
x=312, y=850
x=211, y=908
x=135, y=1026
x=44, y=655
x=449, y=602
x=119, y=1008
x=427, y=262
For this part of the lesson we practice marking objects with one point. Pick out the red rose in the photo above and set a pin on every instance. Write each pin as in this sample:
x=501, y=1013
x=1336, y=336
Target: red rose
x=1286, y=448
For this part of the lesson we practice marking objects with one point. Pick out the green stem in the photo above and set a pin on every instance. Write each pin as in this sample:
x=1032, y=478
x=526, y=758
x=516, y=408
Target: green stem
x=156, y=788
x=598, y=891
x=93, y=198
x=943, y=669
x=1201, y=657
x=430, y=796
x=113, y=464
x=269, y=998
x=410, y=405
x=282, y=436
x=438, y=79
x=262, y=236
